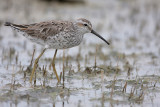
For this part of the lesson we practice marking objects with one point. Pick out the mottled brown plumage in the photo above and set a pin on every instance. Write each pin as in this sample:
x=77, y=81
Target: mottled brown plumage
x=43, y=30
x=56, y=34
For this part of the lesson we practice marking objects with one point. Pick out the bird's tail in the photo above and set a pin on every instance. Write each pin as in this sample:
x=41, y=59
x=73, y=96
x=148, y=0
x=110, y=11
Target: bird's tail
x=15, y=26
x=7, y=24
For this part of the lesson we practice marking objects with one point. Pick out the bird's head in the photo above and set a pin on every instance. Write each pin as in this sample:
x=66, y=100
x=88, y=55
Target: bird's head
x=86, y=27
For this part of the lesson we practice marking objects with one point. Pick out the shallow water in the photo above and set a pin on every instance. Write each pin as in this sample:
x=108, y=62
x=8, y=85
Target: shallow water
x=127, y=72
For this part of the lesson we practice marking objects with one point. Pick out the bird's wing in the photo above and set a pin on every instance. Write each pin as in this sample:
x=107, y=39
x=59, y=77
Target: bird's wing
x=44, y=29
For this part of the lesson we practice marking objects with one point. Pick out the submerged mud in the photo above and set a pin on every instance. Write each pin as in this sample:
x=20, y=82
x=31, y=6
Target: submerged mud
x=126, y=73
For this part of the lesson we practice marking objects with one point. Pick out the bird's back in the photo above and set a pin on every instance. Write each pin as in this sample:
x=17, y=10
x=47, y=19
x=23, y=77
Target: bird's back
x=52, y=34
x=42, y=30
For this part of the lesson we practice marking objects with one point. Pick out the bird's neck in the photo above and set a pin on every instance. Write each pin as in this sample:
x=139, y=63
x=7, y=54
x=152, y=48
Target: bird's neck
x=78, y=30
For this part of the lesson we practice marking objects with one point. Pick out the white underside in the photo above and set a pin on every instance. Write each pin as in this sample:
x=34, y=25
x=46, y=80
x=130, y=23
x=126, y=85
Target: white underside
x=55, y=43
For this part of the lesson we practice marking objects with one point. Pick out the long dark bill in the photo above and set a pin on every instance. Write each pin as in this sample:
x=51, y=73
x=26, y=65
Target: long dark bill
x=92, y=31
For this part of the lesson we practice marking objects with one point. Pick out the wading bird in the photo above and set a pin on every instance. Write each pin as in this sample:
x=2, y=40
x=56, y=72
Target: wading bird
x=56, y=35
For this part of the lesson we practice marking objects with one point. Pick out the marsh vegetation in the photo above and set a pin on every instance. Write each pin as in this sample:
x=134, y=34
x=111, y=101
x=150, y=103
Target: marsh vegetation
x=126, y=73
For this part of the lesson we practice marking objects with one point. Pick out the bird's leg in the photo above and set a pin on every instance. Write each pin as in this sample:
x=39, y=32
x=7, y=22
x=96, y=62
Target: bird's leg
x=35, y=64
x=53, y=65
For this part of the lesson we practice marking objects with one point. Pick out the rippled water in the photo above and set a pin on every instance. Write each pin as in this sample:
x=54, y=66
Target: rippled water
x=127, y=72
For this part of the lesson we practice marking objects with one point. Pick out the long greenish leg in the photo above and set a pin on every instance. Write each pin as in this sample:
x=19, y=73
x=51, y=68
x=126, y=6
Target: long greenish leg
x=53, y=65
x=35, y=65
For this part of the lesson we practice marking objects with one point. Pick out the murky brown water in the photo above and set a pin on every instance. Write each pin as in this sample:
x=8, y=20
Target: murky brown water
x=127, y=72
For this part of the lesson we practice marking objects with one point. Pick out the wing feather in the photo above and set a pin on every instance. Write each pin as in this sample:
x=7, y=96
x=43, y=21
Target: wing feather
x=45, y=29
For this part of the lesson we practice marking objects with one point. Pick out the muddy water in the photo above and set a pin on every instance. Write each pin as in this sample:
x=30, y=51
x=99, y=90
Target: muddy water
x=127, y=73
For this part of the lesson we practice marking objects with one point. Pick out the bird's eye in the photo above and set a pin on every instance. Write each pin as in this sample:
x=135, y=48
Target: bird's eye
x=85, y=24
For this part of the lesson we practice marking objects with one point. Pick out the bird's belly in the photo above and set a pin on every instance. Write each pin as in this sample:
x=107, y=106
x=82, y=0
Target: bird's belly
x=62, y=43
x=34, y=39
x=57, y=41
